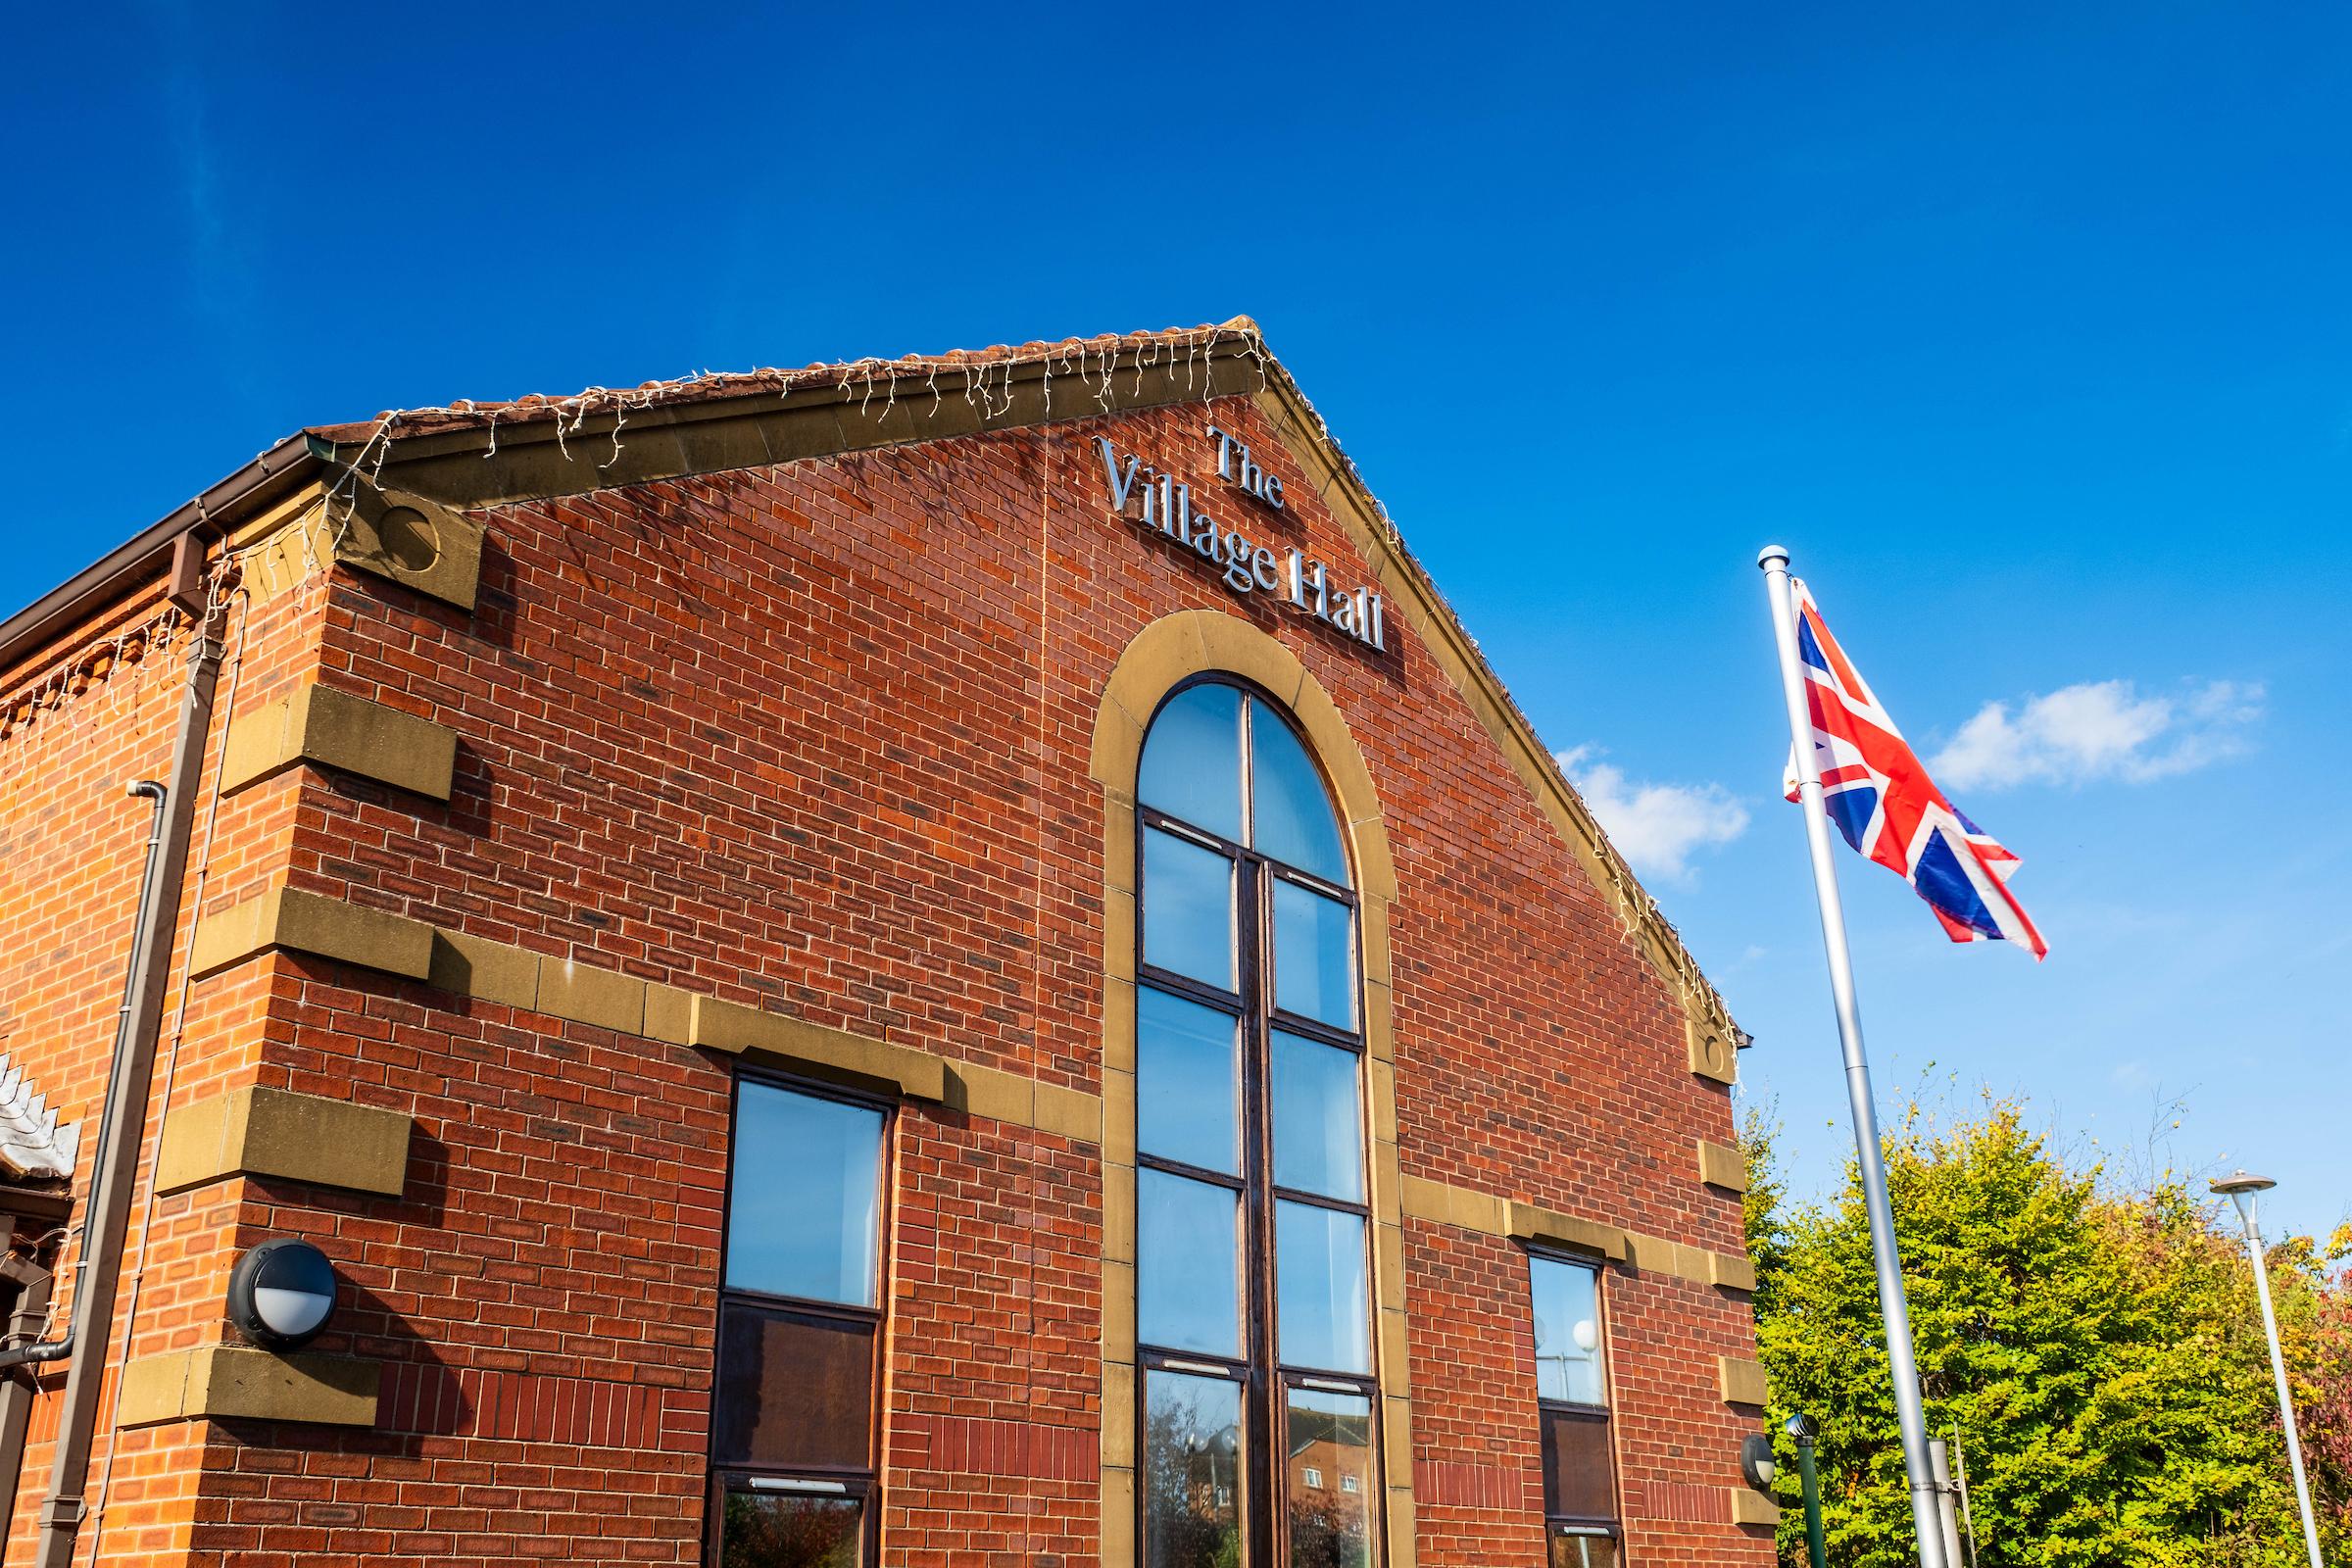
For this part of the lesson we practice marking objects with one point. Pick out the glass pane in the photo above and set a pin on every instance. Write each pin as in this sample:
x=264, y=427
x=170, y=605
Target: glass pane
x=1580, y=1549
x=793, y=1389
x=1186, y=1299
x=806, y=1213
x=1187, y=1081
x=778, y=1530
x=1192, y=760
x=1567, y=1314
x=1318, y=1122
x=1291, y=816
x=1321, y=1318
x=1576, y=1464
x=1192, y=1472
x=1188, y=908
x=1331, y=1480
x=1314, y=955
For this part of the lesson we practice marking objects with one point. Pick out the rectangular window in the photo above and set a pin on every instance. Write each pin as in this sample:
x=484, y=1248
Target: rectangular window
x=1572, y=1413
x=799, y=1329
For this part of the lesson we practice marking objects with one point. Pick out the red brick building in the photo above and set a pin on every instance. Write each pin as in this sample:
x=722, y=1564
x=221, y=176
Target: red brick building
x=951, y=960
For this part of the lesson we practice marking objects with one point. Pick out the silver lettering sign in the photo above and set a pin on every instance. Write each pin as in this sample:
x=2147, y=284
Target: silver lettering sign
x=1163, y=504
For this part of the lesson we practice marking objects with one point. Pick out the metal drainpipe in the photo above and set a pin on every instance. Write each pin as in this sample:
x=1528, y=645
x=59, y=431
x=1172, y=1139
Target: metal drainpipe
x=30, y=1350
x=25, y=1325
x=124, y=1123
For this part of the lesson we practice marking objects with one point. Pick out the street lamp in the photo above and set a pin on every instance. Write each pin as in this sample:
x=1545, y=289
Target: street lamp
x=2245, y=1192
x=1804, y=1429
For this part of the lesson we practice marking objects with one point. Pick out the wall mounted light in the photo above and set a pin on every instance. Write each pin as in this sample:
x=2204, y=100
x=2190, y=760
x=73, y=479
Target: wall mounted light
x=282, y=1293
x=1756, y=1462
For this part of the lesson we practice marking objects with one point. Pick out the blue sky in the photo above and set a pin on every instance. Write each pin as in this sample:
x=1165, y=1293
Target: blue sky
x=2027, y=333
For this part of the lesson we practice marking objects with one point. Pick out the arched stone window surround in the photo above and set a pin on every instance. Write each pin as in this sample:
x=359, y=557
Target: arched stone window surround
x=1162, y=656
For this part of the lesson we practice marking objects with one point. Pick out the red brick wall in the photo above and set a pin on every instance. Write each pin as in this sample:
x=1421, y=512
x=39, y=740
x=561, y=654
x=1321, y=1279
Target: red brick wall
x=1476, y=1476
x=71, y=848
x=815, y=738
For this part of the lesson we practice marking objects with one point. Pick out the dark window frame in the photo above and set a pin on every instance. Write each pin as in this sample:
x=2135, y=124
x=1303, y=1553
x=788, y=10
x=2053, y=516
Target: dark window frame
x=1603, y=1415
x=1266, y=1381
x=864, y=1491
x=861, y=1482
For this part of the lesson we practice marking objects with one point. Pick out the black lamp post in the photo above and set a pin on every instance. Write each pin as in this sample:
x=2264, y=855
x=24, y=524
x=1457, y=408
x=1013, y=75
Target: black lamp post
x=1804, y=1429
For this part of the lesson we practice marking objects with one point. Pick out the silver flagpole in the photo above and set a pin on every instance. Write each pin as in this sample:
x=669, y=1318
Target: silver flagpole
x=1926, y=1521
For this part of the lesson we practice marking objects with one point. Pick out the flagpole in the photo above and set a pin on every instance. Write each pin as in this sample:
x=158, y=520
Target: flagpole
x=1926, y=1521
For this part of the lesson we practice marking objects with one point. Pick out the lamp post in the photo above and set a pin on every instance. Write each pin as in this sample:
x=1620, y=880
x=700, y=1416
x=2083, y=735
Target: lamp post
x=1804, y=1429
x=2244, y=1191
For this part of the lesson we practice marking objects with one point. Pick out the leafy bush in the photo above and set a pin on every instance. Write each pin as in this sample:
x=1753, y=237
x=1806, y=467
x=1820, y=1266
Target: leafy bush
x=2098, y=1348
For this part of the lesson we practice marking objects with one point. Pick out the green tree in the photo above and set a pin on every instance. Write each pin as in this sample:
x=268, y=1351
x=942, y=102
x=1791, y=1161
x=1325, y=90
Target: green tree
x=2099, y=1353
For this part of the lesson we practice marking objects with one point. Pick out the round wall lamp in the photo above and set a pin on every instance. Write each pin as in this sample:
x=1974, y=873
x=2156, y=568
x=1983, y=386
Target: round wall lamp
x=1755, y=1461
x=281, y=1293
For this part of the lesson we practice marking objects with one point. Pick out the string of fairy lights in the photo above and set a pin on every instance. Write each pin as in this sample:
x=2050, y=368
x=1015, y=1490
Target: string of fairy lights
x=990, y=388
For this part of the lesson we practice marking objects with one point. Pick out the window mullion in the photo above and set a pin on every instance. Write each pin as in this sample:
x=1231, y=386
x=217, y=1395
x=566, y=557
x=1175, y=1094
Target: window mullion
x=1265, y=1381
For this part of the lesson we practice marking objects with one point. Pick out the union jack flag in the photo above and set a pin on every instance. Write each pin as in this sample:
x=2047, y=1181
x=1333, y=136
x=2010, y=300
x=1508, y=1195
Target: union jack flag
x=1874, y=788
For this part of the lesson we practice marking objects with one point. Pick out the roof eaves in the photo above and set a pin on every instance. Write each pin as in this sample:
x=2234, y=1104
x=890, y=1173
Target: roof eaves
x=146, y=556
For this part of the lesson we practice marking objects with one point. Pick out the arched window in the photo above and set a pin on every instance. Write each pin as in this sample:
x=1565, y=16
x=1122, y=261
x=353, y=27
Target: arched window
x=1253, y=1312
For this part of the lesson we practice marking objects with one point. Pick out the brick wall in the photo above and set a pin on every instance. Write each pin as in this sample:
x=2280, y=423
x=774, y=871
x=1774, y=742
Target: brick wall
x=814, y=738
x=72, y=847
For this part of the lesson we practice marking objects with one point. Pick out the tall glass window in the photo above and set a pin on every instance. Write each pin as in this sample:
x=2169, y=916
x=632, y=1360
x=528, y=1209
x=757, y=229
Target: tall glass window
x=792, y=1439
x=1253, y=1312
x=1572, y=1410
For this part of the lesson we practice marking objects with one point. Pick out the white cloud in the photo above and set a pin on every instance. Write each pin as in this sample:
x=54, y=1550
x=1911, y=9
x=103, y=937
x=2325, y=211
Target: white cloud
x=1657, y=827
x=2098, y=730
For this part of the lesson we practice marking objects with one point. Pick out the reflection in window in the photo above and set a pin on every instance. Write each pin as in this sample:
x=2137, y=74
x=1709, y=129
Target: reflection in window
x=1583, y=1549
x=1567, y=1323
x=777, y=1529
x=1314, y=955
x=1186, y=1082
x=1253, y=1237
x=1191, y=1471
x=1188, y=911
x=1193, y=760
x=1186, y=1296
x=806, y=1216
x=1319, y=1119
x=1330, y=1435
x=1289, y=815
x=1320, y=1295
